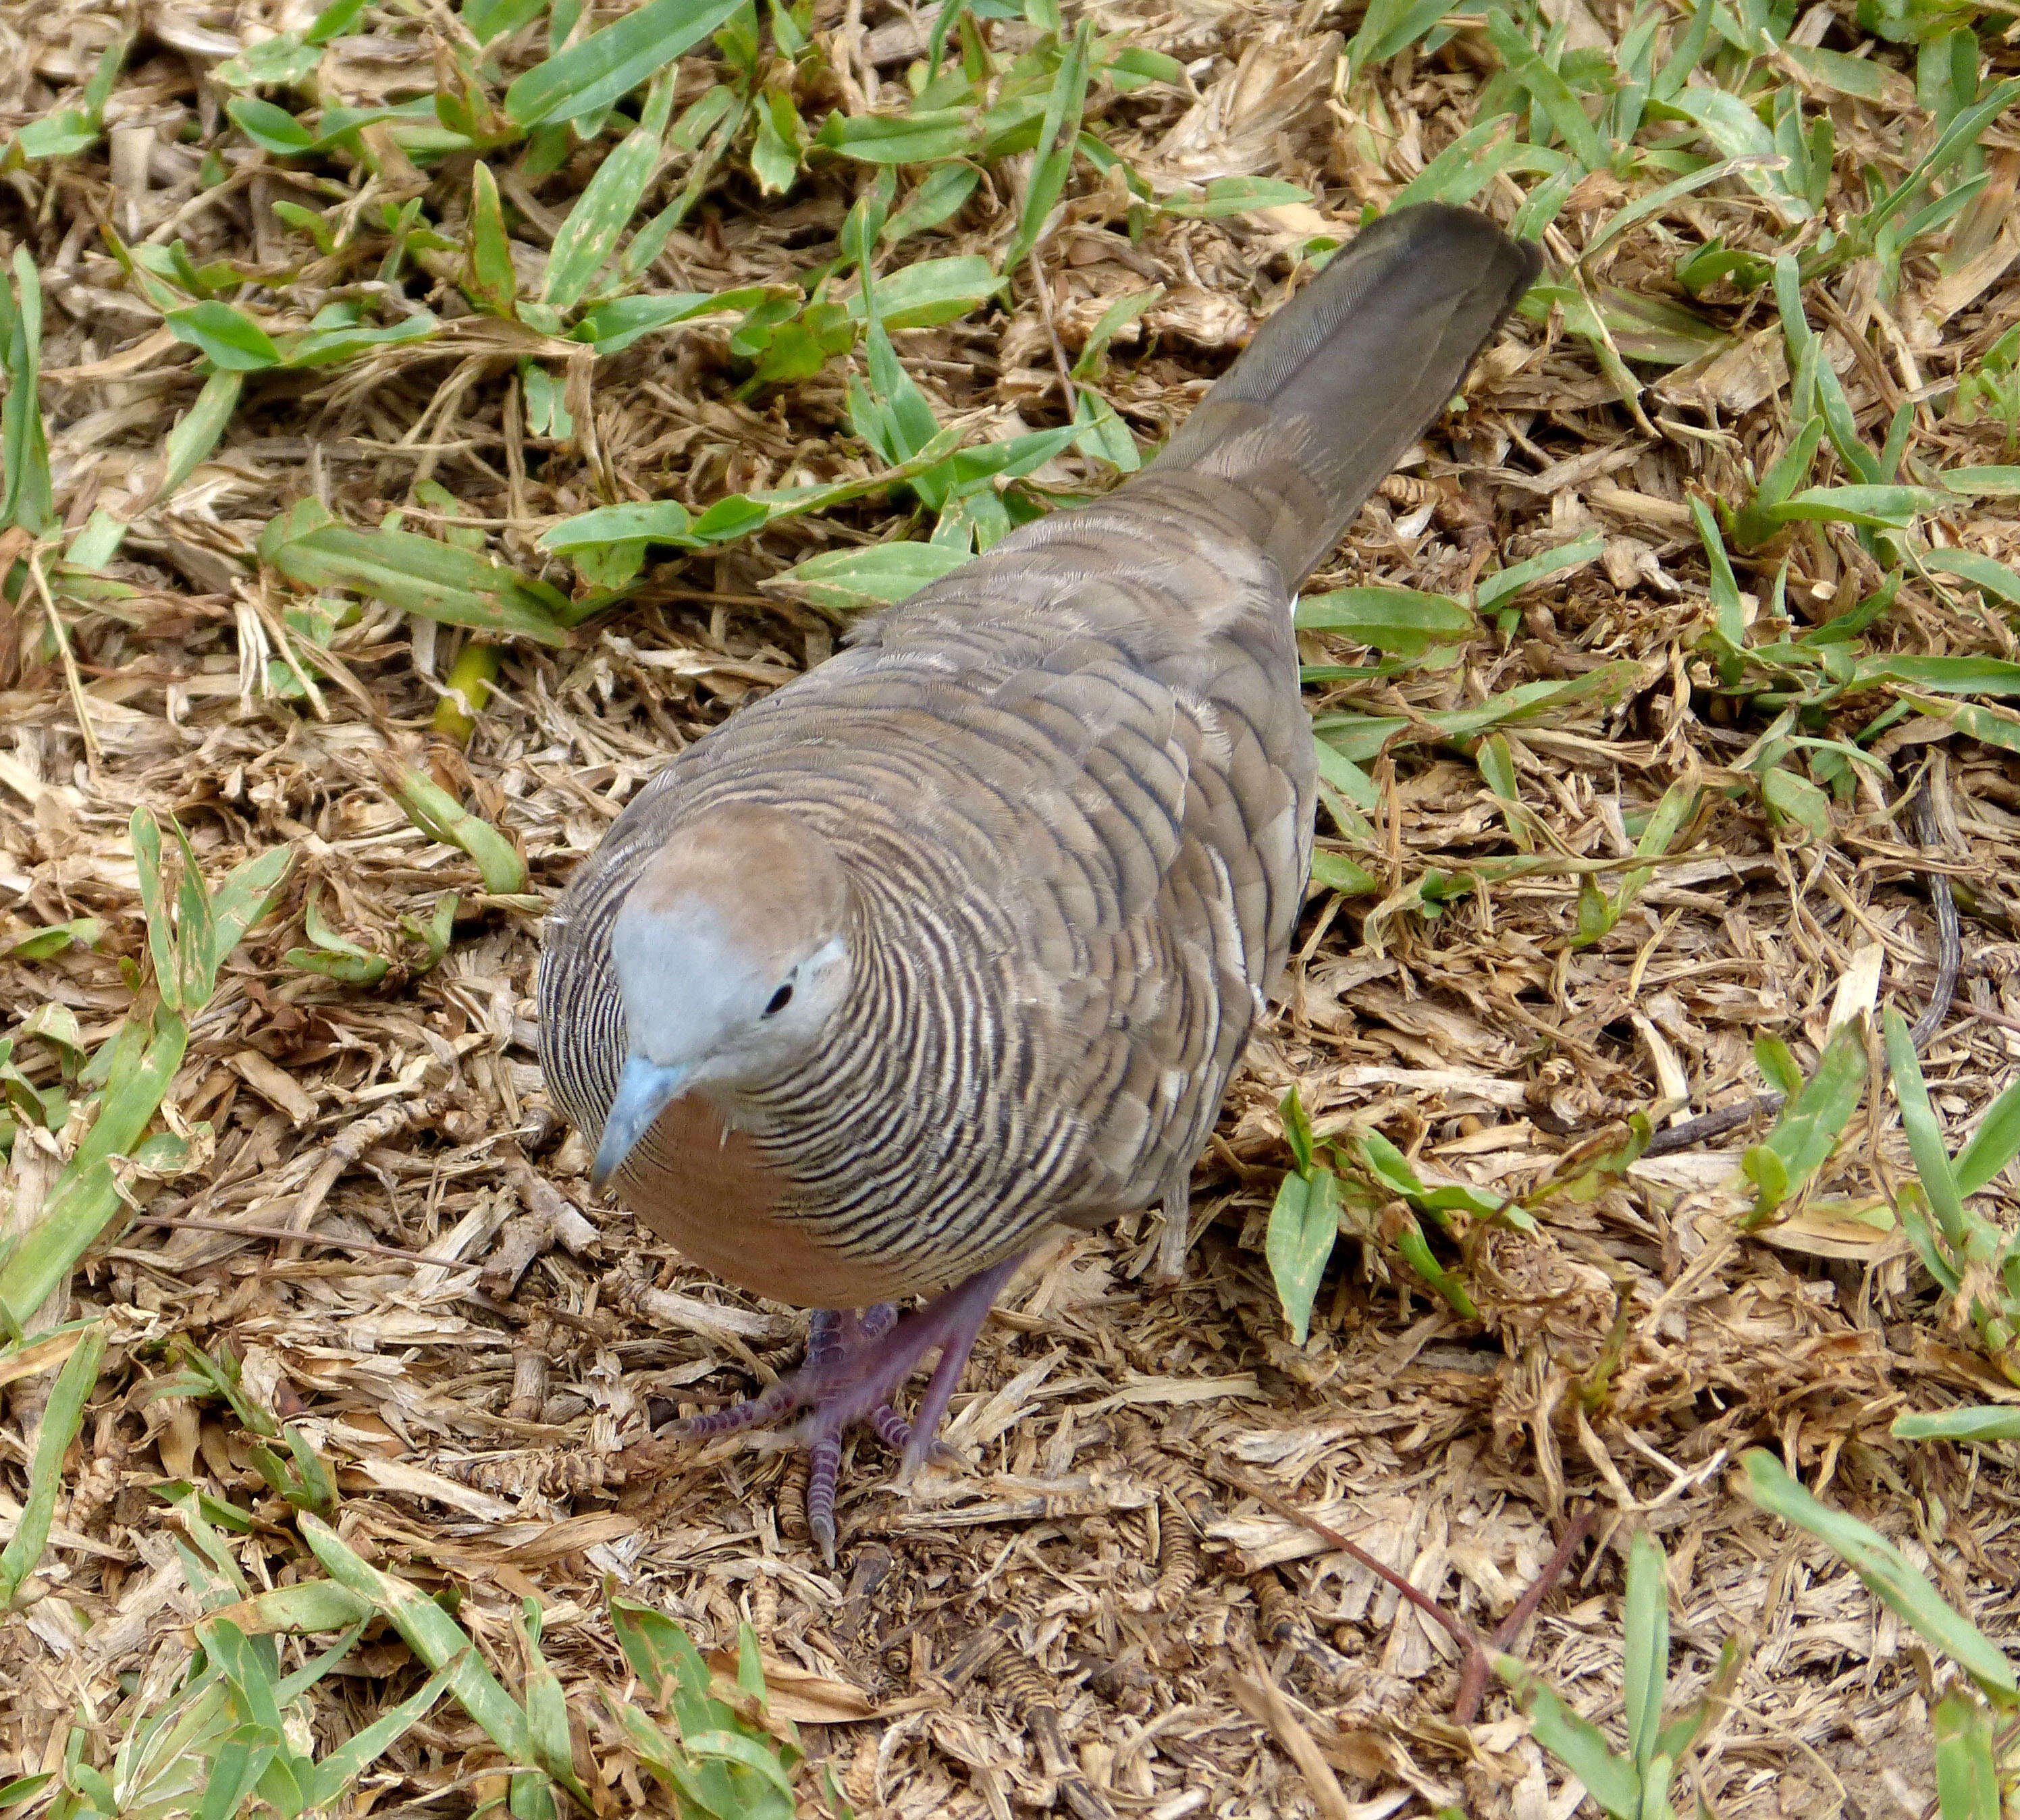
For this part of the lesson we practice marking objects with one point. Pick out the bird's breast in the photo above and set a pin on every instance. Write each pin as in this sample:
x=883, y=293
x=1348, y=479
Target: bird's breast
x=703, y=1186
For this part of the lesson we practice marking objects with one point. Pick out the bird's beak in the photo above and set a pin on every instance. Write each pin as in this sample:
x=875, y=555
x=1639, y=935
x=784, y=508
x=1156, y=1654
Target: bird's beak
x=644, y=1091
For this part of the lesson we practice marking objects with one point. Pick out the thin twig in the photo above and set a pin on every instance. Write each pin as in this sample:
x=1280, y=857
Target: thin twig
x=1712, y=1124
x=61, y=634
x=238, y=1228
x=1472, y=1677
x=1992, y=1017
x=1045, y=292
x=1477, y=1652
x=1462, y=1633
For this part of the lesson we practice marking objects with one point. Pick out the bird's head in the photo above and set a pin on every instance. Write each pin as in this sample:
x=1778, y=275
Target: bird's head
x=731, y=954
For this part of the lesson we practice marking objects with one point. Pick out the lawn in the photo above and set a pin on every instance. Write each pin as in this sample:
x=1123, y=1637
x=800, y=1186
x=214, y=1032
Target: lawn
x=418, y=424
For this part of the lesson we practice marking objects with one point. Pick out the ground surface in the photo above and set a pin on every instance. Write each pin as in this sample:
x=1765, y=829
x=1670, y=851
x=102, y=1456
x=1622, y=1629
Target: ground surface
x=488, y=1425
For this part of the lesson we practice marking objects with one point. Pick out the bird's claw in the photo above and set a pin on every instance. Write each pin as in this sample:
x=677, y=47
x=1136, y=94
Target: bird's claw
x=854, y=1363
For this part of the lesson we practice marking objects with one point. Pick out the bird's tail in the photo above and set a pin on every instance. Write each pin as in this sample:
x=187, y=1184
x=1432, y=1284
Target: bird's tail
x=1340, y=382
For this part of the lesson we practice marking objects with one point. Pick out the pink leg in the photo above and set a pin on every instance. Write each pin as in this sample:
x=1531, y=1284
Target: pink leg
x=854, y=1367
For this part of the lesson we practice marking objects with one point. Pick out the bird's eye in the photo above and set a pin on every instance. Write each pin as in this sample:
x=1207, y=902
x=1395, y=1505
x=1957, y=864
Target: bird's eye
x=780, y=999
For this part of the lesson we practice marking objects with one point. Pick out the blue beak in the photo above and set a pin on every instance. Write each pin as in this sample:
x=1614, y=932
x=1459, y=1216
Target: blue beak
x=643, y=1091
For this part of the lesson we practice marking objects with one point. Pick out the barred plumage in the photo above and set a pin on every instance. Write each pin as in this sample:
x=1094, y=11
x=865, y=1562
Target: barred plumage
x=964, y=931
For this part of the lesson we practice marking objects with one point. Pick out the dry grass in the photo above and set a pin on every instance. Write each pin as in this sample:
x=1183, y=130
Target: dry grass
x=1162, y=1644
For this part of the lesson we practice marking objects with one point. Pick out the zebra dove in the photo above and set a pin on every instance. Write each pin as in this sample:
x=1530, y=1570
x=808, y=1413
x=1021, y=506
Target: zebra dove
x=963, y=932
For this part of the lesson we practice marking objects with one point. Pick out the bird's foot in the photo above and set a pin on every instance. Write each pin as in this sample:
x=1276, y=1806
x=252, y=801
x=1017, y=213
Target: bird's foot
x=855, y=1364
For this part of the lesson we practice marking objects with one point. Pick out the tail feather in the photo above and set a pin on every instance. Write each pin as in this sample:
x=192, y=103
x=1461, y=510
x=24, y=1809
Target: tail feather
x=1338, y=382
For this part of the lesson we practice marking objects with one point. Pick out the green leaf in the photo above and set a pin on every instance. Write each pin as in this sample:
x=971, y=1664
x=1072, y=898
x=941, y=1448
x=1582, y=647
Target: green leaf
x=1967, y=1777
x=27, y=500
x=1223, y=196
x=1304, y=1221
x=437, y=814
x=1399, y=621
x=608, y=64
x=1807, y=1130
x=1989, y=1422
x=1503, y=584
x=1656, y=200
x=1647, y=1631
x=1887, y=1573
x=1793, y=800
x=876, y=575
x=1059, y=137
x=1998, y=483
x=1566, y=113
x=1416, y=1252
x=929, y=291
x=232, y=340
x=492, y=281
x=1737, y=133
x=439, y=581
x=940, y=197
x=1465, y=167
x=336, y=341
x=142, y=1061
x=1924, y=1131
x=40, y=944
x=1992, y=578
x=1125, y=310
x=62, y=1418
x=663, y=521
x=1389, y=27
x=1650, y=329
x=1336, y=872
x=192, y=440
x=430, y=1633
x=1362, y=737
x=606, y=207
x=490, y=19
x=334, y=1773
x=273, y=129
x=775, y=157
x=611, y=327
x=925, y=136
x=1887, y=508
x=1993, y=1144
x=1388, y=1166
x=1577, y=1743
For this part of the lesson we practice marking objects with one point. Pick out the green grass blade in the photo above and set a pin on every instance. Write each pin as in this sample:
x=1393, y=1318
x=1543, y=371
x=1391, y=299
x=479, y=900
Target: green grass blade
x=26, y=499
x=439, y=581
x=606, y=207
x=1968, y=1778
x=1808, y=1130
x=1647, y=1631
x=1057, y=140
x=192, y=440
x=1987, y=1423
x=1886, y=1572
x=1924, y=1131
x=434, y=1636
x=1993, y=1145
x=335, y=1773
x=1576, y=1743
x=1503, y=584
x=608, y=64
x=1402, y=621
x=85, y=1198
x=436, y=813
x=62, y=1418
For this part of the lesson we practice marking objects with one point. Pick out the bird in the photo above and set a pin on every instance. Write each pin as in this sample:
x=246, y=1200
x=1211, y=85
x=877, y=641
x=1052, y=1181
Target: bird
x=961, y=934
